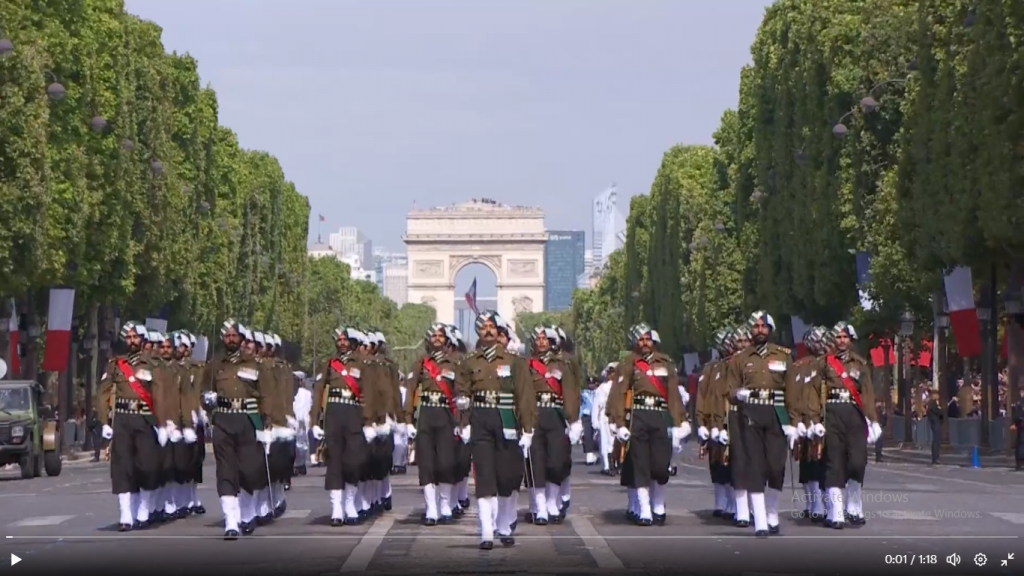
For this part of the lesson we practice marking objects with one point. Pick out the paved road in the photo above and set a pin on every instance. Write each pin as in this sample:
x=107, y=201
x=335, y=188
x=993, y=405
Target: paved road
x=67, y=523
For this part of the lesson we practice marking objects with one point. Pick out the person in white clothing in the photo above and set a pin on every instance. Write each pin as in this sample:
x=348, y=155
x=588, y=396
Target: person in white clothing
x=605, y=438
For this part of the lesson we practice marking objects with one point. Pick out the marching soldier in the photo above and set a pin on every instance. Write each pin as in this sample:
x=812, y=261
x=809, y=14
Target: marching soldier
x=497, y=386
x=736, y=342
x=234, y=389
x=557, y=392
x=844, y=382
x=566, y=348
x=179, y=469
x=346, y=406
x=400, y=455
x=810, y=443
x=710, y=416
x=431, y=400
x=761, y=383
x=163, y=508
x=391, y=375
x=128, y=407
x=301, y=406
x=647, y=389
x=281, y=459
x=463, y=453
x=200, y=420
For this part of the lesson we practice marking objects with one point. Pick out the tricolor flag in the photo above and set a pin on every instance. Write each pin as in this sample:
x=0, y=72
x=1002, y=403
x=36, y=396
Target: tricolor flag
x=799, y=327
x=58, y=329
x=963, y=317
x=12, y=327
x=863, y=277
x=471, y=297
x=322, y=219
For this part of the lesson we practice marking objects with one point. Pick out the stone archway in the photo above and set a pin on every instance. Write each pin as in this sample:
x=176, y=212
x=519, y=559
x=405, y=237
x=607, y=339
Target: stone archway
x=509, y=240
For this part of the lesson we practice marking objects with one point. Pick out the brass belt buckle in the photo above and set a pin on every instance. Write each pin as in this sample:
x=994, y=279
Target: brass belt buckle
x=648, y=401
x=844, y=394
x=763, y=394
x=133, y=405
x=346, y=393
x=236, y=403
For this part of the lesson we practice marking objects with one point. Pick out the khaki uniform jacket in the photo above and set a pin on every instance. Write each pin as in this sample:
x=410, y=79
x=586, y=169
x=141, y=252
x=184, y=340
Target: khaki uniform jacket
x=710, y=409
x=286, y=389
x=239, y=379
x=153, y=377
x=564, y=372
x=858, y=369
x=421, y=382
x=389, y=373
x=477, y=374
x=631, y=378
x=804, y=371
x=772, y=372
x=374, y=397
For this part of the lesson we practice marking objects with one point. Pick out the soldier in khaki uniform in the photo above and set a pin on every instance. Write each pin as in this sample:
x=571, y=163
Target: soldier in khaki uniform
x=346, y=406
x=710, y=416
x=647, y=411
x=848, y=422
x=430, y=400
x=737, y=341
x=556, y=387
x=390, y=376
x=497, y=385
x=761, y=384
x=173, y=495
x=463, y=452
x=810, y=443
x=185, y=451
x=278, y=400
x=566, y=348
x=200, y=421
x=233, y=390
x=129, y=411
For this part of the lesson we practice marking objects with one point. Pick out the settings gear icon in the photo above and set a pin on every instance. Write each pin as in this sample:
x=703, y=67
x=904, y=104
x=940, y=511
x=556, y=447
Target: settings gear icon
x=980, y=559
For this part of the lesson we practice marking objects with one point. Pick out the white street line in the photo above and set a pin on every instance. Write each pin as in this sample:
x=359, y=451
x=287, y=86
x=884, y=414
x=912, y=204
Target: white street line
x=596, y=544
x=41, y=521
x=1015, y=517
x=360, y=558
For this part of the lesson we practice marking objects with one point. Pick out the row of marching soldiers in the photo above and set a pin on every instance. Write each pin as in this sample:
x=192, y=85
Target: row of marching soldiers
x=757, y=408
x=156, y=407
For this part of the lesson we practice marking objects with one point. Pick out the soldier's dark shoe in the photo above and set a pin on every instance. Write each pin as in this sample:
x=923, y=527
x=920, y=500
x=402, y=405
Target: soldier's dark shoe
x=673, y=471
x=157, y=517
x=487, y=545
x=302, y=470
x=198, y=509
x=858, y=521
x=507, y=540
x=816, y=518
x=138, y=525
x=761, y=533
x=394, y=470
x=429, y=522
x=387, y=503
x=837, y=525
x=717, y=513
x=804, y=514
x=264, y=520
x=827, y=523
x=181, y=513
x=464, y=504
x=644, y=522
x=231, y=534
x=773, y=530
x=515, y=524
x=363, y=515
x=351, y=522
x=565, y=507
x=445, y=519
x=296, y=471
x=538, y=521
x=337, y=522
x=630, y=515
x=730, y=516
x=743, y=523
x=659, y=519
x=124, y=527
x=248, y=528
x=457, y=512
x=555, y=519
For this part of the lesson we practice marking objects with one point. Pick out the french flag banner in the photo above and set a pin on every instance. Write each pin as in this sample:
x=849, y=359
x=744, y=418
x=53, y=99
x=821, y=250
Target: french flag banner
x=12, y=333
x=799, y=327
x=963, y=317
x=58, y=329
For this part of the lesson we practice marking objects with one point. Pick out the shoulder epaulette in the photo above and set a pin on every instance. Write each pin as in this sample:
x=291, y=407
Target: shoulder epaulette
x=785, y=350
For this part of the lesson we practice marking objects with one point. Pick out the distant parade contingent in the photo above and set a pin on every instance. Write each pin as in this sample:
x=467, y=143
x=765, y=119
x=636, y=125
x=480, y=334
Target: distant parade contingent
x=503, y=414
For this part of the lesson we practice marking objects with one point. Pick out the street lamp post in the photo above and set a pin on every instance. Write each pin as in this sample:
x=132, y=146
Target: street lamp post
x=941, y=308
x=906, y=332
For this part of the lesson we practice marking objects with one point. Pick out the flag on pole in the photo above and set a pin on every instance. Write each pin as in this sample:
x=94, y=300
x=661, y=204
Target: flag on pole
x=58, y=329
x=13, y=331
x=322, y=219
x=799, y=327
x=471, y=297
x=963, y=317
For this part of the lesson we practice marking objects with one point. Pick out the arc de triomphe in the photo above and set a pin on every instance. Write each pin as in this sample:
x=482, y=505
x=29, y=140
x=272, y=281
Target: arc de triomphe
x=507, y=239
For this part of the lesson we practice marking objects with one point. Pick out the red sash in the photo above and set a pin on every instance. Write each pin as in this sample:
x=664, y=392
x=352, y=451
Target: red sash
x=139, y=389
x=435, y=372
x=542, y=370
x=851, y=386
x=646, y=369
x=349, y=380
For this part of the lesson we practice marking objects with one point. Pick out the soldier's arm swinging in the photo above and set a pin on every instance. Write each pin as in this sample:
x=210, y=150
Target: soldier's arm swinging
x=675, y=400
x=617, y=401
x=319, y=391
x=868, y=393
x=794, y=403
x=572, y=393
x=105, y=398
x=525, y=399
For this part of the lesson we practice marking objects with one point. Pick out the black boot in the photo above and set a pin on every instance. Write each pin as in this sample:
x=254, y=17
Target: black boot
x=231, y=534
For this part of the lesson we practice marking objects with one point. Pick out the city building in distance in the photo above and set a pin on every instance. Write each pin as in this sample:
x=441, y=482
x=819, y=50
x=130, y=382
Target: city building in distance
x=564, y=259
x=609, y=226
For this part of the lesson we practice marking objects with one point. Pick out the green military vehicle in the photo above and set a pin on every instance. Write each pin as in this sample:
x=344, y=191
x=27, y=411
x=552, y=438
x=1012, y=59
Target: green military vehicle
x=27, y=438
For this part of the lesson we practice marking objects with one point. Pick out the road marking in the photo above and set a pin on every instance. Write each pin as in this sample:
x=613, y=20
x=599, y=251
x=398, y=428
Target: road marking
x=1015, y=517
x=948, y=479
x=596, y=544
x=905, y=515
x=42, y=521
x=363, y=553
x=295, y=514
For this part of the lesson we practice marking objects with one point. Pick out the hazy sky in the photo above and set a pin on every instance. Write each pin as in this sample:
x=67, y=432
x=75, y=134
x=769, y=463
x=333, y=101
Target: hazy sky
x=372, y=105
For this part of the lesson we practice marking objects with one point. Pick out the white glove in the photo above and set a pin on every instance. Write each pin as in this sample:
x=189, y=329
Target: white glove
x=622, y=434
x=684, y=395
x=161, y=435
x=714, y=434
x=790, y=433
x=292, y=422
x=195, y=419
x=464, y=433
x=174, y=434
x=801, y=430
x=369, y=432
x=389, y=425
x=462, y=403
x=108, y=432
x=525, y=440
x=680, y=433
x=702, y=433
x=282, y=433
x=263, y=436
x=204, y=417
x=190, y=435
x=742, y=394
x=318, y=433
x=410, y=431
x=817, y=430
x=575, y=432
x=723, y=437
x=874, y=432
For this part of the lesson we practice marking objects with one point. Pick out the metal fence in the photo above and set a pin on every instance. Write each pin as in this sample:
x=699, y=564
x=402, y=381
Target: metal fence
x=964, y=433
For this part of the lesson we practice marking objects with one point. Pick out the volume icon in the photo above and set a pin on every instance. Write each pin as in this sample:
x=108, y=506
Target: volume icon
x=953, y=559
